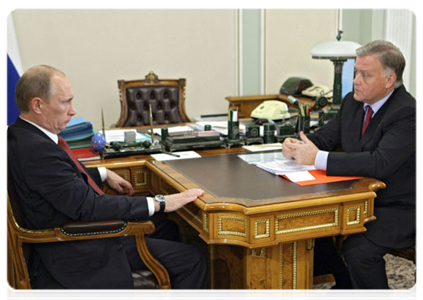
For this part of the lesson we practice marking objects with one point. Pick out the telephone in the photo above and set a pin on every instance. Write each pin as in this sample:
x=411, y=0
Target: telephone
x=271, y=110
x=294, y=85
x=317, y=91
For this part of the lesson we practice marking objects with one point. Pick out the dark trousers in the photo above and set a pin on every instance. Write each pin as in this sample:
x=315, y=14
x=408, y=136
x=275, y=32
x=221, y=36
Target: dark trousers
x=366, y=264
x=186, y=265
x=365, y=274
x=328, y=260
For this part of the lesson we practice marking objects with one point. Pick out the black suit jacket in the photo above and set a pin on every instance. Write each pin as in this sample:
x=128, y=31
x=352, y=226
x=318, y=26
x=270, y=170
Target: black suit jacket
x=386, y=151
x=51, y=191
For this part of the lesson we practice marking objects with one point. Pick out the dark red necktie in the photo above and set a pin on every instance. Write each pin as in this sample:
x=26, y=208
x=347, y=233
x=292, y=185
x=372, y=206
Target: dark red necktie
x=62, y=143
x=367, y=120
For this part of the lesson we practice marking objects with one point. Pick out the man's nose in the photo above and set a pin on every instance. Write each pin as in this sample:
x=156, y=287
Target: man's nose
x=356, y=79
x=72, y=110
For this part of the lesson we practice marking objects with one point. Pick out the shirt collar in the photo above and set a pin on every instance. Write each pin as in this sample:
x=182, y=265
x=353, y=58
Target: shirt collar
x=378, y=104
x=50, y=134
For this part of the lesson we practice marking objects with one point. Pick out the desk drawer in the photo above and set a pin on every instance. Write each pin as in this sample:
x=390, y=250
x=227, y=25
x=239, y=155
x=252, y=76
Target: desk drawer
x=138, y=176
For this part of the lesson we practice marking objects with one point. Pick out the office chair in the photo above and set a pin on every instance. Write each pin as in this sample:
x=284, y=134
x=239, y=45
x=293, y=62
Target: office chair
x=166, y=97
x=19, y=238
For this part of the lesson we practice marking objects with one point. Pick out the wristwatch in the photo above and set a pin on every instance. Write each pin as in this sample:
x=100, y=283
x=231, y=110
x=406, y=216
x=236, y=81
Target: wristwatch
x=162, y=202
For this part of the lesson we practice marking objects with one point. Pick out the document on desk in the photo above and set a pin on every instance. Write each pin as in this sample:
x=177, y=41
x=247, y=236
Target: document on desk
x=262, y=157
x=176, y=155
x=300, y=174
x=283, y=166
x=263, y=147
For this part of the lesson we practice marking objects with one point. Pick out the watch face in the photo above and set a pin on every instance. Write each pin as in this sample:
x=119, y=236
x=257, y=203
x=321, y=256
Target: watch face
x=160, y=198
x=162, y=201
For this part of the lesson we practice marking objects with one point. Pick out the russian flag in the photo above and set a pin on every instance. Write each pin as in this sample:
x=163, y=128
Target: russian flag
x=14, y=70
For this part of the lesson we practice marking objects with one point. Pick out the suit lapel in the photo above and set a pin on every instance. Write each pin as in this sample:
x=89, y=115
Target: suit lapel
x=374, y=123
x=355, y=130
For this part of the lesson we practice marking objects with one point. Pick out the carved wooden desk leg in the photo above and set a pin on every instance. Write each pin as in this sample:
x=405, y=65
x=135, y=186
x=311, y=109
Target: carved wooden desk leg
x=284, y=266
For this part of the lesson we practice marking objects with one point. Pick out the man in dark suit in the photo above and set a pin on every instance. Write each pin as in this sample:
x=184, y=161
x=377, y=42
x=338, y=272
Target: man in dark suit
x=53, y=189
x=384, y=147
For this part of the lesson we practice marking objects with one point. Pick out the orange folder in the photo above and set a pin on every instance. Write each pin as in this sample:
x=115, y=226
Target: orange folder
x=321, y=177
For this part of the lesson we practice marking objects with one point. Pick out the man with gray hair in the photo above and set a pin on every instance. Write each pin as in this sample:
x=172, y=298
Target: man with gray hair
x=376, y=130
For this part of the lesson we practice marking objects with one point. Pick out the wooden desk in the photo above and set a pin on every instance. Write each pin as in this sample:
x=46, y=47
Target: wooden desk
x=259, y=228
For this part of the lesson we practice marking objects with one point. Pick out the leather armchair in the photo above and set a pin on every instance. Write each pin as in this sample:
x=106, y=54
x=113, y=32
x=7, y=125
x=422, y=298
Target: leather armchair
x=18, y=237
x=166, y=97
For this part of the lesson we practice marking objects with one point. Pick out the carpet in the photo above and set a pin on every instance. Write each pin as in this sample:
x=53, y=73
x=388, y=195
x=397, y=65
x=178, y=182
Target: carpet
x=400, y=272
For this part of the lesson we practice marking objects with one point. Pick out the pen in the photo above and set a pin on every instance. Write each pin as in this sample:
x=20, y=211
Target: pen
x=170, y=153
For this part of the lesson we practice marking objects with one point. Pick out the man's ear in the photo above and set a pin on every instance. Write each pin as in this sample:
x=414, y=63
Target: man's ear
x=36, y=105
x=390, y=80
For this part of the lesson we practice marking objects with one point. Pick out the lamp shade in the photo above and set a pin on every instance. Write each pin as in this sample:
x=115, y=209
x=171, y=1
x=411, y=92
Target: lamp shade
x=335, y=50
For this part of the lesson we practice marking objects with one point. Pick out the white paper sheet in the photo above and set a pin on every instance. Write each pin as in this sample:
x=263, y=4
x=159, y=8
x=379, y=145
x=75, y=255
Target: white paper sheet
x=299, y=176
x=173, y=129
x=182, y=155
x=264, y=147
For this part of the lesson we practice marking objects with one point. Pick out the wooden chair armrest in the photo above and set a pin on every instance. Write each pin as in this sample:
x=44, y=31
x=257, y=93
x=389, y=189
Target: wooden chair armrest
x=84, y=230
x=98, y=230
x=93, y=228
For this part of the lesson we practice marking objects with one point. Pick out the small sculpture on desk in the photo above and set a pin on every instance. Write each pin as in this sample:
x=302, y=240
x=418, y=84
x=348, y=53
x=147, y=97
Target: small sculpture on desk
x=233, y=130
x=98, y=142
x=252, y=134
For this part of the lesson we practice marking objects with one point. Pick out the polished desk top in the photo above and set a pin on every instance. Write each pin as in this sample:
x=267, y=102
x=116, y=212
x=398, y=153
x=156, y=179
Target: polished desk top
x=228, y=179
x=227, y=176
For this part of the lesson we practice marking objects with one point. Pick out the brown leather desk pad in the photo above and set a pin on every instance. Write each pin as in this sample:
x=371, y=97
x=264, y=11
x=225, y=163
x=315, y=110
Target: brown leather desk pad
x=228, y=176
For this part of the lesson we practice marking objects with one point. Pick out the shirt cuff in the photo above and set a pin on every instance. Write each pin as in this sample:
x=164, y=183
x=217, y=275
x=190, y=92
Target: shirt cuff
x=103, y=173
x=151, y=206
x=321, y=161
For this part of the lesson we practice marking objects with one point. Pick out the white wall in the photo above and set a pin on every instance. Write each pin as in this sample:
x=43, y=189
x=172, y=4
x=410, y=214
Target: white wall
x=290, y=36
x=95, y=48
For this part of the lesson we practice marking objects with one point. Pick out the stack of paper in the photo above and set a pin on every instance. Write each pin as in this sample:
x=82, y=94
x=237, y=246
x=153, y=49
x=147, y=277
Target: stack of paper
x=78, y=133
x=284, y=166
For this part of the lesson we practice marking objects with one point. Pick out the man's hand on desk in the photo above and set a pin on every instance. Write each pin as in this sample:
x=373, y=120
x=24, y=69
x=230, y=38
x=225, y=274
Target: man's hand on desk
x=304, y=152
x=176, y=201
x=118, y=183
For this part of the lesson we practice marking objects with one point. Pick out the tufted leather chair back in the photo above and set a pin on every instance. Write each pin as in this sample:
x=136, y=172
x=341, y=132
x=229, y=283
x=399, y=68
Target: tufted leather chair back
x=166, y=97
